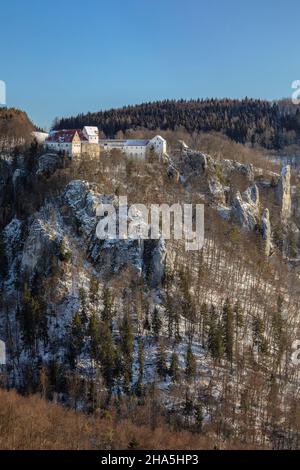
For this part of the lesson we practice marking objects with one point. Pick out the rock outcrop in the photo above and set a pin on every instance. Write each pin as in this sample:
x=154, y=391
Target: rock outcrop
x=283, y=193
x=72, y=221
x=230, y=166
x=245, y=208
x=113, y=255
x=266, y=231
x=173, y=173
x=216, y=190
x=193, y=161
x=43, y=242
x=49, y=163
x=81, y=200
x=251, y=195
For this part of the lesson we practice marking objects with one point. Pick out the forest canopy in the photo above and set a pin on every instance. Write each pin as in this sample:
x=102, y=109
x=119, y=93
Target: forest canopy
x=272, y=125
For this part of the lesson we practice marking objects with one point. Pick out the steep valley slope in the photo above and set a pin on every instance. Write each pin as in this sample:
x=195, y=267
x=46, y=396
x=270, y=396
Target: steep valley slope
x=206, y=336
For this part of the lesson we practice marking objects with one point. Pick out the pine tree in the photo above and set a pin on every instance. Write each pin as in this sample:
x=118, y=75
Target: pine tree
x=177, y=326
x=94, y=289
x=156, y=323
x=141, y=362
x=33, y=318
x=126, y=344
x=83, y=305
x=238, y=315
x=228, y=326
x=199, y=416
x=215, y=336
x=31, y=156
x=188, y=307
x=108, y=306
x=108, y=356
x=259, y=339
x=239, y=323
x=161, y=362
x=204, y=322
x=141, y=358
x=190, y=363
x=118, y=362
x=147, y=325
x=170, y=315
x=76, y=339
x=174, y=367
x=65, y=255
x=82, y=297
x=95, y=335
x=139, y=387
x=188, y=405
x=277, y=322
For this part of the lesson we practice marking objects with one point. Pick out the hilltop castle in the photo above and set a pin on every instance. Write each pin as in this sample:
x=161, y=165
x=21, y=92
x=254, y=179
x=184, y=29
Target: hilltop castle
x=76, y=142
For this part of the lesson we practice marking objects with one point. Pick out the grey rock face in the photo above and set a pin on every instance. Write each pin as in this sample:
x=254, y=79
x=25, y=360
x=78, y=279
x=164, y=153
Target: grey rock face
x=194, y=161
x=41, y=244
x=251, y=195
x=111, y=255
x=283, y=193
x=266, y=231
x=77, y=224
x=216, y=190
x=173, y=173
x=12, y=235
x=245, y=208
x=82, y=199
x=230, y=166
x=48, y=164
x=154, y=257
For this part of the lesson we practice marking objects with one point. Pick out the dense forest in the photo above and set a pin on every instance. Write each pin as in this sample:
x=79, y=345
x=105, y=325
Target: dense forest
x=255, y=122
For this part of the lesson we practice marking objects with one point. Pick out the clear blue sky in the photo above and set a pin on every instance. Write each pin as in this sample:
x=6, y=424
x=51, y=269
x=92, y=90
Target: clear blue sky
x=65, y=57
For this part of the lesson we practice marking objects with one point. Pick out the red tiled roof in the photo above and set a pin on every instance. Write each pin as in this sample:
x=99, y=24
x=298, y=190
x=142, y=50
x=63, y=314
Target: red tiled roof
x=65, y=136
x=82, y=136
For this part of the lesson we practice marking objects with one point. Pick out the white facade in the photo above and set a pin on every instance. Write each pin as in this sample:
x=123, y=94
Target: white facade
x=59, y=146
x=135, y=150
x=64, y=141
x=92, y=134
x=159, y=145
x=76, y=148
x=70, y=148
x=76, y=142
x=136, y=147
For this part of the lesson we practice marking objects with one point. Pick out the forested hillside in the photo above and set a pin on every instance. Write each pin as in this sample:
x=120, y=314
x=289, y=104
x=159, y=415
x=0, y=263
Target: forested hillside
x=271, y=125
x=14, y=124
x=201, y=340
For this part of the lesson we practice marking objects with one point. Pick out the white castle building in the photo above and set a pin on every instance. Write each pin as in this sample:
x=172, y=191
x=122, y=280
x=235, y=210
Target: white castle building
x=66, y=141
x=136, y=147
x=76, y=142
x=91, y=133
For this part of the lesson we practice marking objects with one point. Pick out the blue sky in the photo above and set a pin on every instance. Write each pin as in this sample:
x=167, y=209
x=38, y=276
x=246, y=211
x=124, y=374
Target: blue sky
x=63, y=58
